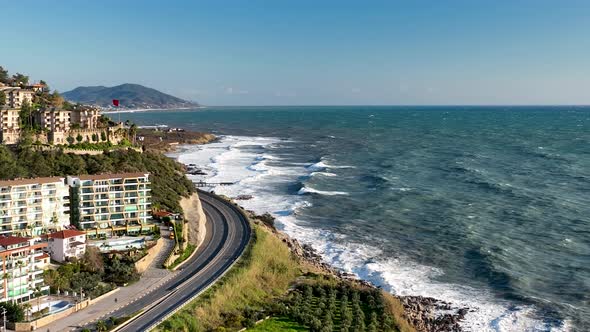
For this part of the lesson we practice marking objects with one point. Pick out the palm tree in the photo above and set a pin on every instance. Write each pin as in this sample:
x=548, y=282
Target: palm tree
x=133, y=131
x=55, y=219
x=27, y=308
x=20, y=265
x=38, y=295
x=29, y=229
x=6, y=277
x=101, y=326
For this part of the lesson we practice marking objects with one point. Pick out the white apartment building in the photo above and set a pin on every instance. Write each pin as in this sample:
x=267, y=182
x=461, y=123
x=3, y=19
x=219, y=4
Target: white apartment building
x=111, y=204
x=54, y=119
x=67, y=244
x=9, y=126
x=33, y=206
x=57, y=122
x=15, y=96
x=23, y=261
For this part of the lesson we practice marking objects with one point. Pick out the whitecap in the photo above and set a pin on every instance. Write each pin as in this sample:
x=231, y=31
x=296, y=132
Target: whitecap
x=323, y=174
x=321, y=165
x=402, y=189
x=308, y=190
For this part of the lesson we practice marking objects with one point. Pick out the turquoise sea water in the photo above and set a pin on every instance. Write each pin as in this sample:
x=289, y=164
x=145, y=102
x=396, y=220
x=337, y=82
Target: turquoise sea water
x=487, y=207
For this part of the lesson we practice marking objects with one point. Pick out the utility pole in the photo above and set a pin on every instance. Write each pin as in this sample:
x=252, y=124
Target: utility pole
x=4, y=314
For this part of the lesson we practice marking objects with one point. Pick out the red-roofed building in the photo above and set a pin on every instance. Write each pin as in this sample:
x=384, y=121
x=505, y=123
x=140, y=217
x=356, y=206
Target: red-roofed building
x=67, y=244
x=23, y=261
x=161, y=214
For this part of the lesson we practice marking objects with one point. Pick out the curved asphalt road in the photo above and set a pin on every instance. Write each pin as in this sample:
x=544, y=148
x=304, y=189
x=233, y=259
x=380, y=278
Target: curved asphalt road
x=228, y=234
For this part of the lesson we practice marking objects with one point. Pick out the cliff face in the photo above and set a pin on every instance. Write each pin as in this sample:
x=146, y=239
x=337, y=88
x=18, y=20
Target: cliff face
x=193, y=213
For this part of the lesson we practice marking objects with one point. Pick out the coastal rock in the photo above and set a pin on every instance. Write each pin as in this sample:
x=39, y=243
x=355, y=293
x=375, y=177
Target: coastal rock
x=430, y=314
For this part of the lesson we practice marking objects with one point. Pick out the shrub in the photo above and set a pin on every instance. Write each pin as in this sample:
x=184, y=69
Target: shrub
x=14, y=312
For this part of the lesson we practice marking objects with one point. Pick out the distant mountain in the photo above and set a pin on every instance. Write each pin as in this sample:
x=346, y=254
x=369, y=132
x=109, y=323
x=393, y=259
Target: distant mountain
x=132, y=96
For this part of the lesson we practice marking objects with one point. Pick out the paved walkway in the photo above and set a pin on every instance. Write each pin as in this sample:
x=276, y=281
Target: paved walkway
x=153, y=277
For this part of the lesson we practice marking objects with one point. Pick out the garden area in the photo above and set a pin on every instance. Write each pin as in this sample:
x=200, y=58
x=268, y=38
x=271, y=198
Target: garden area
x=95, y=274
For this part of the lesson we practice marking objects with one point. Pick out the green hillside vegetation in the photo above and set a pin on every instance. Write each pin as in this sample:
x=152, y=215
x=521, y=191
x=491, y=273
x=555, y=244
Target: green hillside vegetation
x=278, y=324
x=168, y=181
x=270, y=281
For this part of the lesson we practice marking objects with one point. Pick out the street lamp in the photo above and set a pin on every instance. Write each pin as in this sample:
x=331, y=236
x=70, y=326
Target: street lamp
x=4, y=315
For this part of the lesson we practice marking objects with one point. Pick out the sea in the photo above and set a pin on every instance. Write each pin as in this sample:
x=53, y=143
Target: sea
x=484, y=207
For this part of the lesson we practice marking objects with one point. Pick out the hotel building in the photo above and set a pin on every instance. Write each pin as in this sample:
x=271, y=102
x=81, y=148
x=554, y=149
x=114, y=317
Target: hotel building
x=23, y=262
x=33, y=206
x=111, y=204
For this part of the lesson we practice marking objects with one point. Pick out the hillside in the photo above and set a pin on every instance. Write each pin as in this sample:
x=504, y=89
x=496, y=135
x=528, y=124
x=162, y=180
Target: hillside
x=131, y=96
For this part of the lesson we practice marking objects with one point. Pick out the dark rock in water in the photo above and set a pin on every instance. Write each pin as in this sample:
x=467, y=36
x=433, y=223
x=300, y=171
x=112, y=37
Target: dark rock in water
x=195, y=172
x=429, y=314
x=192, y=169
x=243, y=197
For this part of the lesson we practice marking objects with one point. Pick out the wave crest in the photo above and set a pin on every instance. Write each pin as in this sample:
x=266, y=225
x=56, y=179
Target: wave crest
x=309, y=190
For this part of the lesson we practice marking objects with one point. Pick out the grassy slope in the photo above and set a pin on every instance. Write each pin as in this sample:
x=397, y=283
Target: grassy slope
x=278, y=324
x=265, y=271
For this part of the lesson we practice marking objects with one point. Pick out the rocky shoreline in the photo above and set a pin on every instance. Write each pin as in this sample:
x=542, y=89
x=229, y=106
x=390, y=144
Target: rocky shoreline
x=168, y=140
x=426, y=314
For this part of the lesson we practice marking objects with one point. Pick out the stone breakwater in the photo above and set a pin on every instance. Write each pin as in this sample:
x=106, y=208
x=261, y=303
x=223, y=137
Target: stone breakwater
x=426, y=314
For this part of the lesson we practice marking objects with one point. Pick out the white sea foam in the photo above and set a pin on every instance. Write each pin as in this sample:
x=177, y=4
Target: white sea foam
x=322, y=165
x=227, y=160
x=308, y=190
x=319, y=166
x=401, y=189
x=323, y=174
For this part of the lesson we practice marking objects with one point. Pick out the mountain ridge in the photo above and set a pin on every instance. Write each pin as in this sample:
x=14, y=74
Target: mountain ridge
x=130, y=96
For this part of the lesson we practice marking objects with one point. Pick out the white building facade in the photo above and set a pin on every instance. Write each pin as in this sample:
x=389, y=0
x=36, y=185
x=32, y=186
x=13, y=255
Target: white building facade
x=23, y=261
x=66, y=245
x=33, y=207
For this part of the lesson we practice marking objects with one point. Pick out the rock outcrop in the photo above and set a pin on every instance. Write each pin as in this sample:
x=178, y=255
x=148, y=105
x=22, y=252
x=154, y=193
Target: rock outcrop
x=195, y=217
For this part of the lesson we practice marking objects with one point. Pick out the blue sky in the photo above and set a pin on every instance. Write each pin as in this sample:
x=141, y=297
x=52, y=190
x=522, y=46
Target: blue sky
x=309, y=52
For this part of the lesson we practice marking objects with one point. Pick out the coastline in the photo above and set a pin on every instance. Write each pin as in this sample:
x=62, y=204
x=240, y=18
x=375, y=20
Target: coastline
x=255, y=169
x=424, y=313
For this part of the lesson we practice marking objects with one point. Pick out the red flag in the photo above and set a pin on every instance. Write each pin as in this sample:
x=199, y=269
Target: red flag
x=116, y=102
